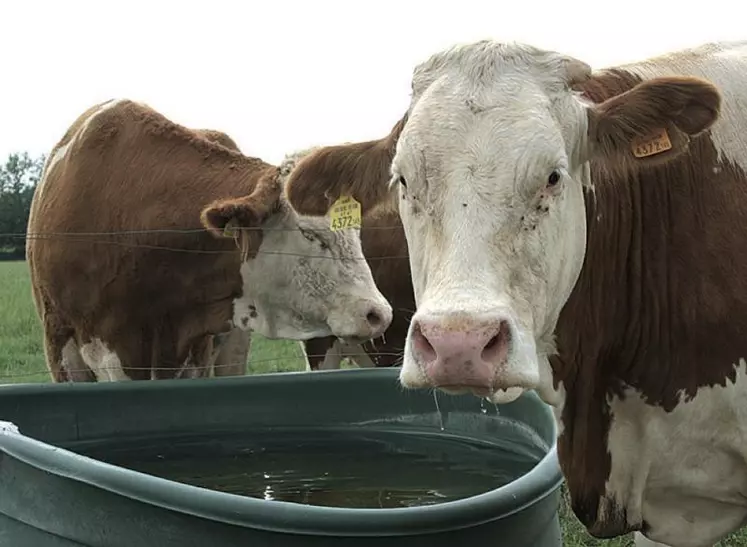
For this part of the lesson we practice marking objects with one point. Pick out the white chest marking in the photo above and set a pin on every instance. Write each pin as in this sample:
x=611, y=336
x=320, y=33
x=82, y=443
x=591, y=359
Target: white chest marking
x=682, y=472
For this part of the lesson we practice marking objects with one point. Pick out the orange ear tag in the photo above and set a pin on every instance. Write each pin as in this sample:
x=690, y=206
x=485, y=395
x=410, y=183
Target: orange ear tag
x=650, y=145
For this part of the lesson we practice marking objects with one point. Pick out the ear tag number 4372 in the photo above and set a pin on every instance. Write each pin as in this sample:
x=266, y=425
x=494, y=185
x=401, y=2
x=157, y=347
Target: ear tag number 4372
x=345, y=213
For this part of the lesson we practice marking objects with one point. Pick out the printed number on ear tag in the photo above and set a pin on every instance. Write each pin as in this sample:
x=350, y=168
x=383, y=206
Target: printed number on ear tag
x=650, y=145
x=345, y=213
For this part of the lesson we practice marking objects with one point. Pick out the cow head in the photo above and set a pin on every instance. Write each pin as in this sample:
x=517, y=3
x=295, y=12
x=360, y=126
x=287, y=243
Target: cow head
x=300, y=279
x=488, y=168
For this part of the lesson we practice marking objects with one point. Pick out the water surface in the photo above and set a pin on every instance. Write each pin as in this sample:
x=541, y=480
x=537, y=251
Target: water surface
x=365, y=468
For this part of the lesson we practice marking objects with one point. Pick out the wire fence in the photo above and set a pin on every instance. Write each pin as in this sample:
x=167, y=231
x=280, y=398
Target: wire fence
x=108, y=238
x=284, y=363
x=250, y=368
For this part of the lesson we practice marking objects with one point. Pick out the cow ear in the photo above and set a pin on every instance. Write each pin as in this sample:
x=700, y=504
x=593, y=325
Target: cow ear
x=652, y=123
x=360, y=170
x=223, y=217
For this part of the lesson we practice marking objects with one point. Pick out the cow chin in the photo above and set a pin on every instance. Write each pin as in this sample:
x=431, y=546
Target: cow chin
x=499, y=397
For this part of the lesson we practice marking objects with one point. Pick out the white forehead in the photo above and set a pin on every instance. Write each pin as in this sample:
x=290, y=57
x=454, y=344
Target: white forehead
x=490, y=104
x=481, y=64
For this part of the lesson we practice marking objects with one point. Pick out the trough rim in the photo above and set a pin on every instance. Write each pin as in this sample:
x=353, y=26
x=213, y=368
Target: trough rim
x=280, y=516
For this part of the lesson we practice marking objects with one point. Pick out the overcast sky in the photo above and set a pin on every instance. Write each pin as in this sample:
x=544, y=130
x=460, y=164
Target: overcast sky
x=280, y=75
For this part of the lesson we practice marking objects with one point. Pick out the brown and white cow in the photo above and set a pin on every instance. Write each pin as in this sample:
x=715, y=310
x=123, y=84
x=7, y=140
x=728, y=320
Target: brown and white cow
x=385, y=248
x=126, y=275
x=580, y=233
x=223, y=354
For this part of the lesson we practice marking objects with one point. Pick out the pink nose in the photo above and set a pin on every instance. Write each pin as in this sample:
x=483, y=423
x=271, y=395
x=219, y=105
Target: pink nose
x=463, y=352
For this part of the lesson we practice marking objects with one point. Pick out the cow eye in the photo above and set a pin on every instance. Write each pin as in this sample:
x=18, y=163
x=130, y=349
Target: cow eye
x=307, y=235
x=403, y=182
x=554, y=178
x=311, y=236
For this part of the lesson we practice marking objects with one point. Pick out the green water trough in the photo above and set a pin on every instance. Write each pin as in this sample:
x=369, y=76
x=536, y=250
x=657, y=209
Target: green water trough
x=115, y=464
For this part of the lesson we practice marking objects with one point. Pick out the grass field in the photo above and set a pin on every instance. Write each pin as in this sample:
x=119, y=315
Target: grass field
x=22, y=360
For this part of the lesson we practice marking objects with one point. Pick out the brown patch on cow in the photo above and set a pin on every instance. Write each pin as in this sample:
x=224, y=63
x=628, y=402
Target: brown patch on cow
x=153, y=283
x=360, y=170
x=385, y=248
x=682, y=106
x=655, y=300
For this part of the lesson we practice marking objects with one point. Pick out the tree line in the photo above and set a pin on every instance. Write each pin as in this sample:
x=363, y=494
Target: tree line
x=19, y=175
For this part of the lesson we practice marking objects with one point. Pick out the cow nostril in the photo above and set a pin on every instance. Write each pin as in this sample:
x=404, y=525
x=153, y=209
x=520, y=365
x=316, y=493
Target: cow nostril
x=492, y=343
x=374, y=319
x=497, y=347
x=422, y=345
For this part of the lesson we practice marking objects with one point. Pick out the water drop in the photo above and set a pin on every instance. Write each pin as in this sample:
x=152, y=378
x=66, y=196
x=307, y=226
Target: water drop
x=438, y=410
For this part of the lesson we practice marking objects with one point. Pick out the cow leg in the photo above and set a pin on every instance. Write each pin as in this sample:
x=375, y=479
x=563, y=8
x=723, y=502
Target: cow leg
x=233, y=353
x=315, y=348
x=305, y=355
x=105, y=363
x=56, y=337
x=356, y=353
x=642, y=541
x=74, y=365
x=198, y=363
x=53, y=357
x=332, y=357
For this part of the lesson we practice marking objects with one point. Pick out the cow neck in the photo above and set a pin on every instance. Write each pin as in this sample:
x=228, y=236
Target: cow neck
x=657, y=304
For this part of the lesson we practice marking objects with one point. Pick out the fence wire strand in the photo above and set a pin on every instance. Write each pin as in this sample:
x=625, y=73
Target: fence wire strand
x=251, y=363
x=87, y=237
x=180, y=231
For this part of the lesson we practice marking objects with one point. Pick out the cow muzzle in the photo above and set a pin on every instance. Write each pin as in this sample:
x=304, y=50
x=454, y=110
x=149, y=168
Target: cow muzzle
x=362, y=321
x=479, y=353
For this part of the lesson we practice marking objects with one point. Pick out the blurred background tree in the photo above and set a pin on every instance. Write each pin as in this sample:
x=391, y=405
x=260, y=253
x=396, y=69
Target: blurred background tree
x=19, y=175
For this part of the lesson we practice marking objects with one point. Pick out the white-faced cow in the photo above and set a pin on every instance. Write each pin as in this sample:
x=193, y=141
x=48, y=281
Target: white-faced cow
x=579, y=232
x=131, y=268
x=385, y=248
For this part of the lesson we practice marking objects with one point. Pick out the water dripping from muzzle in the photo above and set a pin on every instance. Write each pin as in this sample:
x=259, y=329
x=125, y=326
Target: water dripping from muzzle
x=438, y=409
x=488, y=407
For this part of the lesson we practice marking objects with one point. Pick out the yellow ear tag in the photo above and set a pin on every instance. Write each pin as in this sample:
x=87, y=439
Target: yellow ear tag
x=650, y=145
x=345, y=213
x=229, y=230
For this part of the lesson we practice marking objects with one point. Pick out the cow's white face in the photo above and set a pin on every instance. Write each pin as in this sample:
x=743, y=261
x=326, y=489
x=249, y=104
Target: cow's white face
x=309, y=282
x=300, y=280
x=491, y=199
x=489, y=165
x=490, y=169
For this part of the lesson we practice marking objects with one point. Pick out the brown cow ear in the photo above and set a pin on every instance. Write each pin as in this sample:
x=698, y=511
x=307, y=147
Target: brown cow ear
x=653, y=122
x=360, y=170
x=223, y=217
